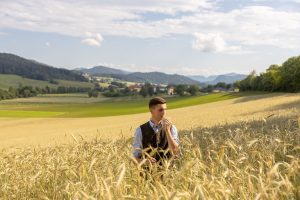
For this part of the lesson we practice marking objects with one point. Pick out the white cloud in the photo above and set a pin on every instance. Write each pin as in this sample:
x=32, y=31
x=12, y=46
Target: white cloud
x=242, y=26
x=48, y=44
x=91, y=42
x=248, y=26
x=74, y=18
x=93, y=39
x=211, y=42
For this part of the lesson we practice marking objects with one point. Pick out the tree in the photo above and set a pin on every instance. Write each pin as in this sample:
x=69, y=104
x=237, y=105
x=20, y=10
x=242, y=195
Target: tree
x=193, y=89
x=150, y=89
x=93, y=93
x=147, y=89
x=249, y=82
x=221, y=84
x=143, y=92
x=61, y=89
x=290, y=72
x=127, y=91
x=13, y=92
x=285, y=78
x=181, y=89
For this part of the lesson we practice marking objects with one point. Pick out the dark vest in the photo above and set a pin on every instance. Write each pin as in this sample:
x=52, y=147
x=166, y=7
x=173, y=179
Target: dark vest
x=149, y=139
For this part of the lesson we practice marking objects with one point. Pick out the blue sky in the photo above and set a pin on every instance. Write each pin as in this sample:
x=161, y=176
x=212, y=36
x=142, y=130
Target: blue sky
x=187, y=37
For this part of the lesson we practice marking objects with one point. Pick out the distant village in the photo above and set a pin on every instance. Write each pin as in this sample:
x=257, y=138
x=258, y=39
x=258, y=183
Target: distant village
x=113, y=87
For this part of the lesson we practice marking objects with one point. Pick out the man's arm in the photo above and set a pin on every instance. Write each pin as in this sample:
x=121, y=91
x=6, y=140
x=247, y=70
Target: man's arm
x=173, y=140
x=137, y=144
x=138, y=147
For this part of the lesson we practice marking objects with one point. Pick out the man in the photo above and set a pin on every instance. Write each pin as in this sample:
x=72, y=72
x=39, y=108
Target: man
x=158, y=133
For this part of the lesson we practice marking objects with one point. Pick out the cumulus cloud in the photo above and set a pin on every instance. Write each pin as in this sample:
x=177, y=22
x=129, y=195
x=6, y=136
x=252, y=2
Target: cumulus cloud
x=211, y=42
x=74, y=18
x=243, y=26
x=93, y=39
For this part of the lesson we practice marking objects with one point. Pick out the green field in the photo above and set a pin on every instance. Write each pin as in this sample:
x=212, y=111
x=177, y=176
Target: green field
x=82, y=106
x=10, y=80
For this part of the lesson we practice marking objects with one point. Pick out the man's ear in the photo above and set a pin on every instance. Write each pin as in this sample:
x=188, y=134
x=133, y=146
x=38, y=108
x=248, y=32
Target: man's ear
x=151, y=109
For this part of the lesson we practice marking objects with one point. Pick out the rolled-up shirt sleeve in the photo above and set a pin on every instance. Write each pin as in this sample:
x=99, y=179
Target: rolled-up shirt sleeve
x=174, y=133
x=137, y=143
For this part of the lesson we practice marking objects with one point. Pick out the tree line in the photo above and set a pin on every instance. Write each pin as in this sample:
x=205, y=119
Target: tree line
x=180, y=89
x=277, y=78
x=117, y=89
x=30, y=91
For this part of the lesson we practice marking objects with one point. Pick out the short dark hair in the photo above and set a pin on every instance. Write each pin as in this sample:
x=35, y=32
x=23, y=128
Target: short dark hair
x=156, y=100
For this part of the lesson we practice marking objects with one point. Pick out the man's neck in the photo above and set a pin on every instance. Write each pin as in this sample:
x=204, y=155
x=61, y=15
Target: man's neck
x=155, y=121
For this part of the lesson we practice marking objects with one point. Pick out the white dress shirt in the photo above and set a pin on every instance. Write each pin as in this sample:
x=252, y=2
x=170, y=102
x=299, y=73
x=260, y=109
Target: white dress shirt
x=137, y=142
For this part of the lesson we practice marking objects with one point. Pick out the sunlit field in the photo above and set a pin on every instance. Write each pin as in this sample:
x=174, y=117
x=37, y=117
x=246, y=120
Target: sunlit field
x=240, y=148
x=79, y=78
x=254, y=160
x=80, y=105
x=23, y=131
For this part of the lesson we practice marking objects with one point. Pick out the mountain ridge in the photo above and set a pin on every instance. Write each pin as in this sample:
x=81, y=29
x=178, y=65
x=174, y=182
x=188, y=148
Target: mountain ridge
x=153, y=77
x=14, y=64
x=214, y=79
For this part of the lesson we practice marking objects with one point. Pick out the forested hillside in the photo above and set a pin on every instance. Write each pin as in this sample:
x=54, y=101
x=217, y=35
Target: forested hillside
x=282, y=78
x=12, y=64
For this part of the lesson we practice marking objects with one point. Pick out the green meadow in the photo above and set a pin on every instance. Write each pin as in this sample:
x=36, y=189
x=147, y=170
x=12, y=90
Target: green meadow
x=79, y=105
x=11, y=80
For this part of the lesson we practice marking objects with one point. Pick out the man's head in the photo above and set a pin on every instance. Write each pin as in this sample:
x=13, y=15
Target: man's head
x=157, y=107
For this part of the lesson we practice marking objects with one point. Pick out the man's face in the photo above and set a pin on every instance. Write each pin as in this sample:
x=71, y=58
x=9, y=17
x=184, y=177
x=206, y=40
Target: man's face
x=158, y=111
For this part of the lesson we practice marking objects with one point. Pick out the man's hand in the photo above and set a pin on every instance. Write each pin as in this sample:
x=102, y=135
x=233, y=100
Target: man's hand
x=167, y=124
x=151, y=160
x=173, y=146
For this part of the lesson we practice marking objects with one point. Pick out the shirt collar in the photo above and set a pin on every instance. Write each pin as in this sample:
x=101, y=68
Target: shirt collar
x=153, y=124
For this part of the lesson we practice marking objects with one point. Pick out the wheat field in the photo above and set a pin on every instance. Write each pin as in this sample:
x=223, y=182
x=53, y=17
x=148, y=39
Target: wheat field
x=247, y=148
x=19, y=132
x=246, y=160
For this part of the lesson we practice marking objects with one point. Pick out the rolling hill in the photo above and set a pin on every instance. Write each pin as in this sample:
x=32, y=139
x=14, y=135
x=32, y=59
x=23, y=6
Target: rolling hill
x=203, y=79
x=12, y=80
x=142, y=77
x=214, y=79
x=155, y=77
x=161, y=78
x=31, y=69
x=102, y=70
x=13, y=64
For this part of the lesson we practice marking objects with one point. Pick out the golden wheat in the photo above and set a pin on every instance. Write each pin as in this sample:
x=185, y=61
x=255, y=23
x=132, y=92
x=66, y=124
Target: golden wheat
x=48, y=131
x=258, y=159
